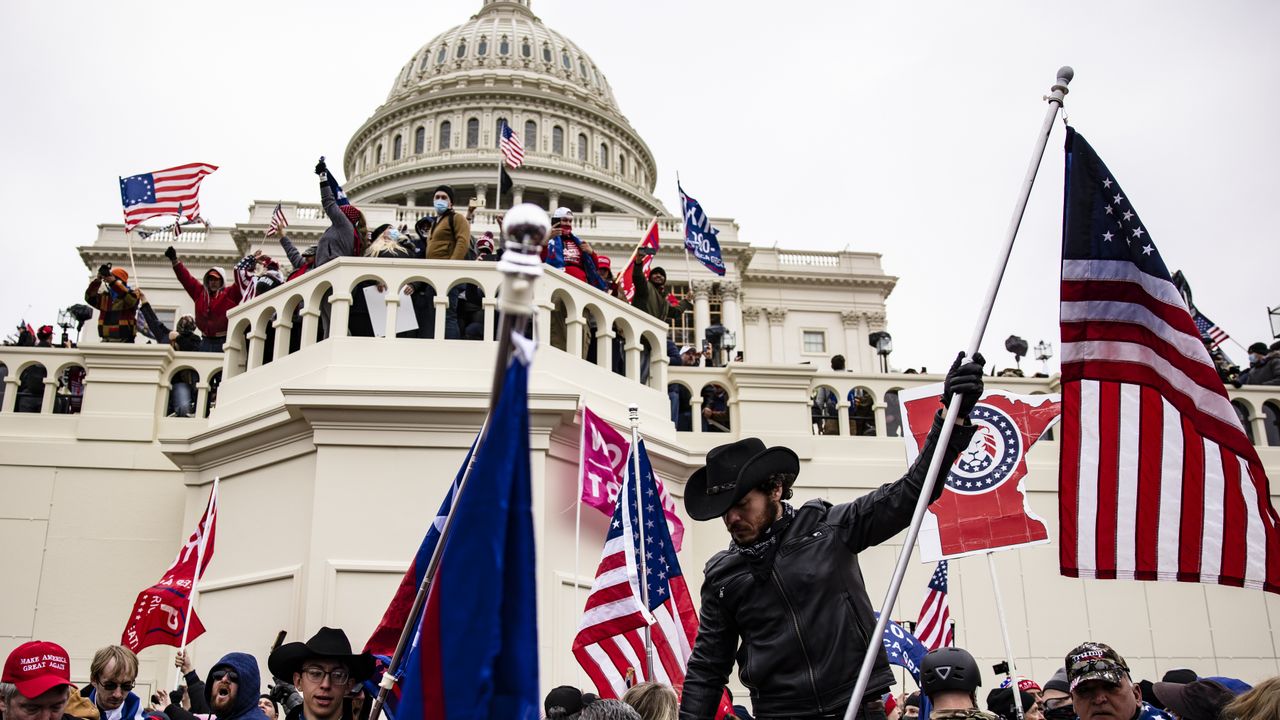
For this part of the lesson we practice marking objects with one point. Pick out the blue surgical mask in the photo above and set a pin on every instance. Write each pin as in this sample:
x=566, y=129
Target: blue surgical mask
x=442, y=205
x=393, y=235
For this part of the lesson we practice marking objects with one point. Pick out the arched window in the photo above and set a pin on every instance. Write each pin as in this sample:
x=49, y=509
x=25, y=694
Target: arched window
x=622, y=164
x=526, y=50
x=395, y=148
x=582, y=68
x=482, y=48
x=530, y=135
x=462, y=49
x=422, y=65
x=446, y=130
x=473, y=133
x=564, y=60
x=377, y=154
x=582, y=147
x=1242, y=412
x=1271, y=412
x=546, y=53
x=604, y=156
x=504, y=46
x=497, y=131
x=419, y=140
x=557, y=140
x=444, y=53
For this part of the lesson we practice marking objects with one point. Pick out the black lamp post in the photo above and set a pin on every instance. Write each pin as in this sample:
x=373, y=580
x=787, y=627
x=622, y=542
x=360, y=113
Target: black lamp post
x=883, y=343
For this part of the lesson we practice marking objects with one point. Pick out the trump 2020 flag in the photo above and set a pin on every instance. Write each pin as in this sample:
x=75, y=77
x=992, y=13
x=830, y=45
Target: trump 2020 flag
x=1157, y=479
x=699, y=236
x=984, y=505
x=476, y=655
x=161, y=611
x=903, y=649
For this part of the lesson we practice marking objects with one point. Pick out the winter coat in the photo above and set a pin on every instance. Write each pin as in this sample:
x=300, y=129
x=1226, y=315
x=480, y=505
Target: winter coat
x=969, y=714
x=1268, y=373
x=185, y=342
x=799, y=633
x=553, y=254
x=249, y=688
x=117, y=310
x=339, y=239
x=646, y=296
x=301, y=264
x=450, y=237
x=211, y=308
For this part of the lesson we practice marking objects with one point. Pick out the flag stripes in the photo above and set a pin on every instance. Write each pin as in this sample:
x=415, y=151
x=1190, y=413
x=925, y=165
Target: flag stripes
x=933, y=629
x=278, y=222
x=512, y=150
x=172, y=191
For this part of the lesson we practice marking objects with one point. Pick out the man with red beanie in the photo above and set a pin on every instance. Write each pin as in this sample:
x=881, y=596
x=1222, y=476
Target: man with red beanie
x=36, y=682
x=213, y=298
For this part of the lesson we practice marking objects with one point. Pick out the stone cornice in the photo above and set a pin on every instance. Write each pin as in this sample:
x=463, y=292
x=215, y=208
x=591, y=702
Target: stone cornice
x=885, y=283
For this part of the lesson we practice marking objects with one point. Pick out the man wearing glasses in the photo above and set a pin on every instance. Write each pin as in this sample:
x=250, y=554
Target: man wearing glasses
x=111, y=678
x=324, y=670
x=233, y=687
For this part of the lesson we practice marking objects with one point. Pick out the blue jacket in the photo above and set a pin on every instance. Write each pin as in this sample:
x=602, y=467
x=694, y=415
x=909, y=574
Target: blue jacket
x=245, y=705
x=555, y=258
x=132, y=707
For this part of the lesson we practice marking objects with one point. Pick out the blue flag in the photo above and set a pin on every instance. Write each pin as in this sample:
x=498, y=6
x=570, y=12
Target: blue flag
x=338, y=194
x=699, y=235
x=905, y=650
x=476, y=653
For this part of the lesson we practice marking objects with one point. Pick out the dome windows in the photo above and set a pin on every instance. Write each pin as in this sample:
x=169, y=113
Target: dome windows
x=377, y=154
x=557, y=140
x=462, y=49
x=582, y=69
x=482, y=48
x=530, y=136
x=473, y=133
x=423, y=64
x=446, y=132
x=419, y=140
x=546, y=52
x=526, y=49
x=604, y=156
x=564, y=60
x=582, y=147
x=396, y=147
x=622, y=164
x=444, y=53
x=497, y=131
x=504, y=46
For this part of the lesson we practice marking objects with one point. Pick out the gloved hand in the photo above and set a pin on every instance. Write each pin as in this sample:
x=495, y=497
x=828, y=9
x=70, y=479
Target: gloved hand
x=104, y=270
x=965, y=380
x=322, y=170
x=172, y=254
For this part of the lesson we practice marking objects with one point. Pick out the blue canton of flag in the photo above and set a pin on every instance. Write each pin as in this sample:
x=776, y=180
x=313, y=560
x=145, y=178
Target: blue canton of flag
x=137, y=189
x=699, y=236
x=1211, y=333
x=659, y=552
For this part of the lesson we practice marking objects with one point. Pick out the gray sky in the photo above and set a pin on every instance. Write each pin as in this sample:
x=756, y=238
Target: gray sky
x=902, y=128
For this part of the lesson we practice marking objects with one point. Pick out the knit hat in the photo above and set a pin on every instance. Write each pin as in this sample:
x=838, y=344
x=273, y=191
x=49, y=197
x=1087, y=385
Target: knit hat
x=1059, y=682
x=656, y=269
x=1259, y=348
x=446, y=190
x=485, y=241
x=123, y=276
x=352, y=213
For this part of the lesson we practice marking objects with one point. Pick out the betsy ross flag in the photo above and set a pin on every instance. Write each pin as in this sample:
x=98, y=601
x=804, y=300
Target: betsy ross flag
x=172, y=191
x=278, y=222
x=160, y=611
x=1211, y=333
x=1157, y=478
x=511, y=148
x=624, y=276
x=934, y=626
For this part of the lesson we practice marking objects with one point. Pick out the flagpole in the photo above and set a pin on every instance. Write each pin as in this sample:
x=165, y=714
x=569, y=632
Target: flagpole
x=633, y=413
x=577, y=515
x=1055, y=99
x=133, y=266
x=526, y=228
x=497, y=195
x=1004, y=633
x=195, y=577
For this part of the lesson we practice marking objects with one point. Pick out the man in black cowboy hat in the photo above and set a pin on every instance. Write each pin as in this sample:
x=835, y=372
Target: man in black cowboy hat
x=787, y=600
x=324, y=670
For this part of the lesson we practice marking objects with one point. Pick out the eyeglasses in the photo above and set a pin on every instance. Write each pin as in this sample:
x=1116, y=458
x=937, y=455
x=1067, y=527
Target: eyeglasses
x=112, y=686
x=220, y=673
x=339, y=676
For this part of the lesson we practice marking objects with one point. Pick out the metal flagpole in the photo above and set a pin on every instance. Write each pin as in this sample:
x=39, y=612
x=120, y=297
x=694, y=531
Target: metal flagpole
x=1055, y=98
x=1004, y=633
x=577, y=515
x=497, y=195
x=195, y=577
x=133, y=266
x=526, y=227
x=633, y=412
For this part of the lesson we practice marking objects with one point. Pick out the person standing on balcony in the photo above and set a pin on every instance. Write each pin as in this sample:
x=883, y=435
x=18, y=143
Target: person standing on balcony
x=345, y=235
x=651, y=293
x=570, y=253
x=450, y=239
x=213, y=299
x=116, y=302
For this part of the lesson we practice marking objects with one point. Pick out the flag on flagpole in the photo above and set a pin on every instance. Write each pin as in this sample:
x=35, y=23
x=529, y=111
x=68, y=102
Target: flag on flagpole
x=161, y=610
x=512, y=150
x=476, y=652
x=650, y=240
x=700, y=238
x=934, y=626
x=172, y=191
x=278, y=222
x=1157, y=479
x=1211, y=333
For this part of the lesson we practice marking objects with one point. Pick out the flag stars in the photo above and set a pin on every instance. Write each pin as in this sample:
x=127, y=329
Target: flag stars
x=1128, y=215
x=1118, y=198
x=1148, y=249
x=1138, y=232
x=1107, y=183
x=1110, y=210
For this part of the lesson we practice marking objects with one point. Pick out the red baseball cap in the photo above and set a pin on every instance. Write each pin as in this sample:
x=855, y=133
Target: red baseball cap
x=37, y=667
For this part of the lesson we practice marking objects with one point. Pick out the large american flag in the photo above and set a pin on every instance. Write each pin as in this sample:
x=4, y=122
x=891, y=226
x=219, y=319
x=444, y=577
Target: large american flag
x=1157, y=478
x=610, y=639
x=278, y=222
x=511, y=148
x=172, y=191
x=933, y=629
x=1208, y=330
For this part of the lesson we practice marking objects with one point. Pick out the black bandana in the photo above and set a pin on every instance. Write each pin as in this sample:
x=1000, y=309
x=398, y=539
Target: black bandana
x=760, y=553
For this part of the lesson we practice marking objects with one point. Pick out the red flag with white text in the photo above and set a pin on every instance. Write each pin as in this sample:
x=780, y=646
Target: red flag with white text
x=624, y=275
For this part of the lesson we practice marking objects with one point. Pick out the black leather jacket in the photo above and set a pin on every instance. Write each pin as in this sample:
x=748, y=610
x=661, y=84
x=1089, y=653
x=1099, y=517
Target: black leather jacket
x=799, y=635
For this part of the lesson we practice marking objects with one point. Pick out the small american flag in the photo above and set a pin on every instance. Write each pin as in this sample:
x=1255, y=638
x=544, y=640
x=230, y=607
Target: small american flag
x=511, y=148
x=933, y=629
x=610, y=639
x=1157, y=480
x=173, y=191
x=1214, y=334
x=278, y=222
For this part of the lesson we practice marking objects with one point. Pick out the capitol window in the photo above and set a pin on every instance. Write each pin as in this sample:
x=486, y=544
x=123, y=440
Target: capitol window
x=395, y=148
x=482, y=48
x=504, y=46
x=530, y=136
x=473, y=133
x=546, y=53
x=622, y=164
x=526, y=49
x=462, y=49
x=582, y=68
x=604, y=156
x=446, y=130
x=444, y=53
x=564, y=60
x=582, y=147
x=377, y=154
x=497, y=131
x=423, y=64
x=419, y=140
x=557, y=140
x=814, y=341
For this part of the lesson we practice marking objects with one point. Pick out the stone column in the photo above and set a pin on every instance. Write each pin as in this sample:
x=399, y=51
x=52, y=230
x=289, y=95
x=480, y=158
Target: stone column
x=852, y=356
x=633, y=351
x=482, y=190
x=10, y=393
x=730, y=316
x=553, y=200
x=750, y=321
x=586, y=206
x=701, y=309
x=517, y=195
x=340, y=313
x=878, y=408
x=604, y=347
x=777, y=348
x=257, y=341
x=842, y=416
x=284, y=329
x=46, y=399
x=310, y=326
x=695, y=412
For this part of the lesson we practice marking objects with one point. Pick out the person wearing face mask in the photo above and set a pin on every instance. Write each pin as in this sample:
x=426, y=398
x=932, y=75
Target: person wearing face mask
x=451, y=234
x=1264, y=365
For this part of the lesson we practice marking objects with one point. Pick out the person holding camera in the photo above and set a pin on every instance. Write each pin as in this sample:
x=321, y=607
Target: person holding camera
x=116, y=302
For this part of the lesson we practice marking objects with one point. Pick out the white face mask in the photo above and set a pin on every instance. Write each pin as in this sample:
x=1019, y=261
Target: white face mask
x=441, y=205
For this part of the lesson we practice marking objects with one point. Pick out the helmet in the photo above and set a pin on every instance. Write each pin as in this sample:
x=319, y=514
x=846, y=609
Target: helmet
x=949, y=668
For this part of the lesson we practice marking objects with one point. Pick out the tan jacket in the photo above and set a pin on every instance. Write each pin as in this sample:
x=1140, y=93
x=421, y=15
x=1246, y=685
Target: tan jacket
x=450, y=238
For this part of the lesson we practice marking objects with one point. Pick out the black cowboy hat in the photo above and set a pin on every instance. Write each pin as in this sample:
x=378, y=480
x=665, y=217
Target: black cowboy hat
x=732, y=471
x=328, y=644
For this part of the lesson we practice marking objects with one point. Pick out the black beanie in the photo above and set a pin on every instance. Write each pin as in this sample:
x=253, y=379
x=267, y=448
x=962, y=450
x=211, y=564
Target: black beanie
x=378, y=231
x=656, y=269
x=446, y=190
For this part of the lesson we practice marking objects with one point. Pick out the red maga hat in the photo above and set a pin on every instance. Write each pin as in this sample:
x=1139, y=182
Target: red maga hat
x=37, y=667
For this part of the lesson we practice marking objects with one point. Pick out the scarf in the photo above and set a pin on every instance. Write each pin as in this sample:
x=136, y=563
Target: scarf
x=760, y=554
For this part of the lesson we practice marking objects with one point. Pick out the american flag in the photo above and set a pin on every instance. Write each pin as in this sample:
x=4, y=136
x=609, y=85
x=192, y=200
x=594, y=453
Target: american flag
x=278, y=222
x=610, y=639
x=933, y=629
x=1214, y=334
x=173, y=191
x=1157, y=478
x=511, y=148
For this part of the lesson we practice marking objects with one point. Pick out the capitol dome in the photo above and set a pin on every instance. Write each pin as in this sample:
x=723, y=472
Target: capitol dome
x=440, y=123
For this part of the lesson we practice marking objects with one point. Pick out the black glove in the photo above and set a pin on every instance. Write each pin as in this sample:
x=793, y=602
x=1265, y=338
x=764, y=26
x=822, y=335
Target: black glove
x=965, y=380
x=104, y=270
x=172, y=254
x=322, y=170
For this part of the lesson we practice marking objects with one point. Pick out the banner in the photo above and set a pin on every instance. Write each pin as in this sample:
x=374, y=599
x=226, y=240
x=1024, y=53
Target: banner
x=699, y=237
x=602, y=466
x=623, y=275
x=984, y=505
x=903, y=649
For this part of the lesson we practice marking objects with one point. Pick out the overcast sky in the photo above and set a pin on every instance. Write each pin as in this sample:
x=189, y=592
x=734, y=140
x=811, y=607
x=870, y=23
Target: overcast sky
x=902, y=128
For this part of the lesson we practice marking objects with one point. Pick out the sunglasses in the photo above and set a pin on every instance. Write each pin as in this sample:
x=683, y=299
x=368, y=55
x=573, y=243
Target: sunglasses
x=230, y=675
x=112, y=686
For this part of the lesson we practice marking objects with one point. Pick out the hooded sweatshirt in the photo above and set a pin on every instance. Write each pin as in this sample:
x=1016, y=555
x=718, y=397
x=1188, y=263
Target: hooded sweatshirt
x=211, y=308
x=245, y=705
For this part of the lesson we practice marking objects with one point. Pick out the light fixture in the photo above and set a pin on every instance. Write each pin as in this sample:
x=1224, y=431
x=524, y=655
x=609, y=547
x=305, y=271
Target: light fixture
x=883, y=343
x=1044, y=351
